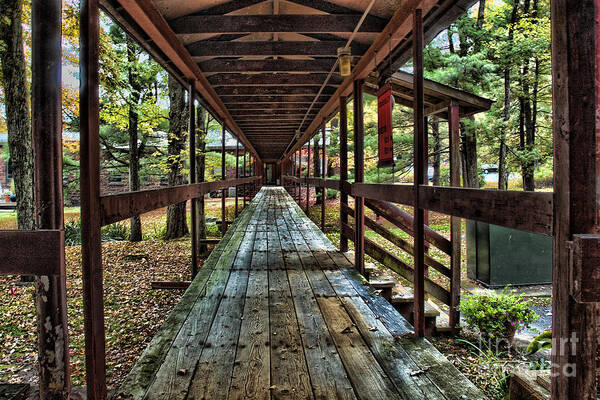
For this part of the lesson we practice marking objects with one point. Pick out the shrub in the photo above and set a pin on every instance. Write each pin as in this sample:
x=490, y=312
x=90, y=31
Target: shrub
x=498, y=315
x=115, y=232
x=332, y=194
x=110, y=233
x=73, y=232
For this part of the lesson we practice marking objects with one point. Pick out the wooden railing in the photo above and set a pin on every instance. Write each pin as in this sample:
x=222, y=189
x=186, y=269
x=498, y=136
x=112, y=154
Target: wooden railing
x=491, y=206
x=117, y=207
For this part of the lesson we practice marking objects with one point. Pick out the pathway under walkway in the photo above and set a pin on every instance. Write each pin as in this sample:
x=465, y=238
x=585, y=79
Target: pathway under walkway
x=278, y=312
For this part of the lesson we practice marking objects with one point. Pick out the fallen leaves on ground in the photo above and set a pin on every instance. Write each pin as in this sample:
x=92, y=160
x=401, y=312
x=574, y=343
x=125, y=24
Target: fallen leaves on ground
x=133, y=311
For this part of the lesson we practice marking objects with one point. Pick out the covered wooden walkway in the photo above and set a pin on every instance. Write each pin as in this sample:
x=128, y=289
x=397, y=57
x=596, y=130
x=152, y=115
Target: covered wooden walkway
x=278, y=312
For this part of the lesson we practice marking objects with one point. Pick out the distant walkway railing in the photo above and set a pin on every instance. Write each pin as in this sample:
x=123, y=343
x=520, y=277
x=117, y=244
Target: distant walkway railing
x=491, y=206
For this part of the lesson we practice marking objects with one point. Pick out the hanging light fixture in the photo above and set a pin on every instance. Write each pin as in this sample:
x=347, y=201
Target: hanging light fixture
x=345, y=60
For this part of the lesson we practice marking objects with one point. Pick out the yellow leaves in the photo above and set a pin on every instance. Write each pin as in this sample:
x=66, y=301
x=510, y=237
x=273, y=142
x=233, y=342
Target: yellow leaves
x=71, y=146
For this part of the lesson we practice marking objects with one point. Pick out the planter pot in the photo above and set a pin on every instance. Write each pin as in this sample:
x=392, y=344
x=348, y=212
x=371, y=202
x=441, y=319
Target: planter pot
x=7, y=198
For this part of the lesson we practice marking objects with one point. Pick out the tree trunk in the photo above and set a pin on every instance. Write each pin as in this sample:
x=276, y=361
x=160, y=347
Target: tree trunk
x=437, y=148
x=178, y=121
x=18, y=121
x=468, y=135
x=502, y=175
x=469, y=157
x=202, y=126
x=502, y=172
x=135, y=234
x=480, y=21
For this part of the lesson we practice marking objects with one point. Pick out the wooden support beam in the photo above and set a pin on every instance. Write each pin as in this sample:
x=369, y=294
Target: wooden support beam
x=223, y=177
x=585, y=284
x=209, y=241
x=245, y=185
x=343, y=110
x=308, y=176
x=300, y=112
x=45, y=249
x=237, y=173
x=271, y=117
x=455, y=222
x=322, y=65
x=39, y=252
x=324, y=169
x=359, y=176
x=270, y=106
x=246, y=91
x=192, y=149
x=299, y=175
x=273, y=79
x=300, y=23
x=576, y=104
x=91, y=248
x=419, y=138
x=246, y=49
x=170, y=285
x=227, y=7
x=246, y=100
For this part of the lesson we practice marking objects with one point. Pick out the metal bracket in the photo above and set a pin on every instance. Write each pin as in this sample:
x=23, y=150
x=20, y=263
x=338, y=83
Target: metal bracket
x=584, y=264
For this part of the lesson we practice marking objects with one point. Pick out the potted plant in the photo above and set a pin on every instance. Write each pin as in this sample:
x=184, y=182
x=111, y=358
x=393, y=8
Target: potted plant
x=6, y=195
x=498, y=316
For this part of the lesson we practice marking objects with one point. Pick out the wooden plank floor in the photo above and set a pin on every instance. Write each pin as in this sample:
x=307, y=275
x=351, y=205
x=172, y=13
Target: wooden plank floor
x=277, y=312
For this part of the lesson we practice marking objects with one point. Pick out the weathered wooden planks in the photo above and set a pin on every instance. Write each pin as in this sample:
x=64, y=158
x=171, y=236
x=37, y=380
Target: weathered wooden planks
x=277, y=312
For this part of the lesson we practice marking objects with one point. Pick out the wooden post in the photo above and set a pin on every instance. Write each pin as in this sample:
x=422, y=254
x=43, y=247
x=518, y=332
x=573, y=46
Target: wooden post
x=299, y=185
x=455, y=222
x=51, y=296
x=223, y=177
x=193, y=203
x=199, y=175
x=237, y=173
x=419, y=137
x=308, y=176
x=91, y=248
x=293, y=173
x=343, y=171
x=359, y=176
x=576, y=103
x=324, y=174
x=244, y=174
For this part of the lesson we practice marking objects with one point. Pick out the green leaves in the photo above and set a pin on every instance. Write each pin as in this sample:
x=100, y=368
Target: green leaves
x=497, y=315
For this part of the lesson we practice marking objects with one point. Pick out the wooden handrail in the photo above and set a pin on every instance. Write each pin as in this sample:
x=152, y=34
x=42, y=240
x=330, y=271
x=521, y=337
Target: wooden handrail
x=491, y=206
x=117, y=207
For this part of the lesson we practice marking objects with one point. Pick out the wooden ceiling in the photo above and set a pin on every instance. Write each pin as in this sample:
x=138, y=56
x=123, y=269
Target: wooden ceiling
x=266, y=68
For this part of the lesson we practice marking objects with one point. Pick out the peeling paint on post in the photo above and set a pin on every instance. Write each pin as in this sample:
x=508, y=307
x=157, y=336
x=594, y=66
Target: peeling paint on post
x=51, y=303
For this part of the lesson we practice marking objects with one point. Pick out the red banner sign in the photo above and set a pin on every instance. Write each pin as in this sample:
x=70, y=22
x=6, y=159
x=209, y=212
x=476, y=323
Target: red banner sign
x=385, y=101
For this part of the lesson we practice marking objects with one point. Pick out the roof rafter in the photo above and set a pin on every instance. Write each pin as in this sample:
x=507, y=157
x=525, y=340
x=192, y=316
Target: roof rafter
x=267, y=48
x=322, y=65
x=271, y=79
x=279, y=23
